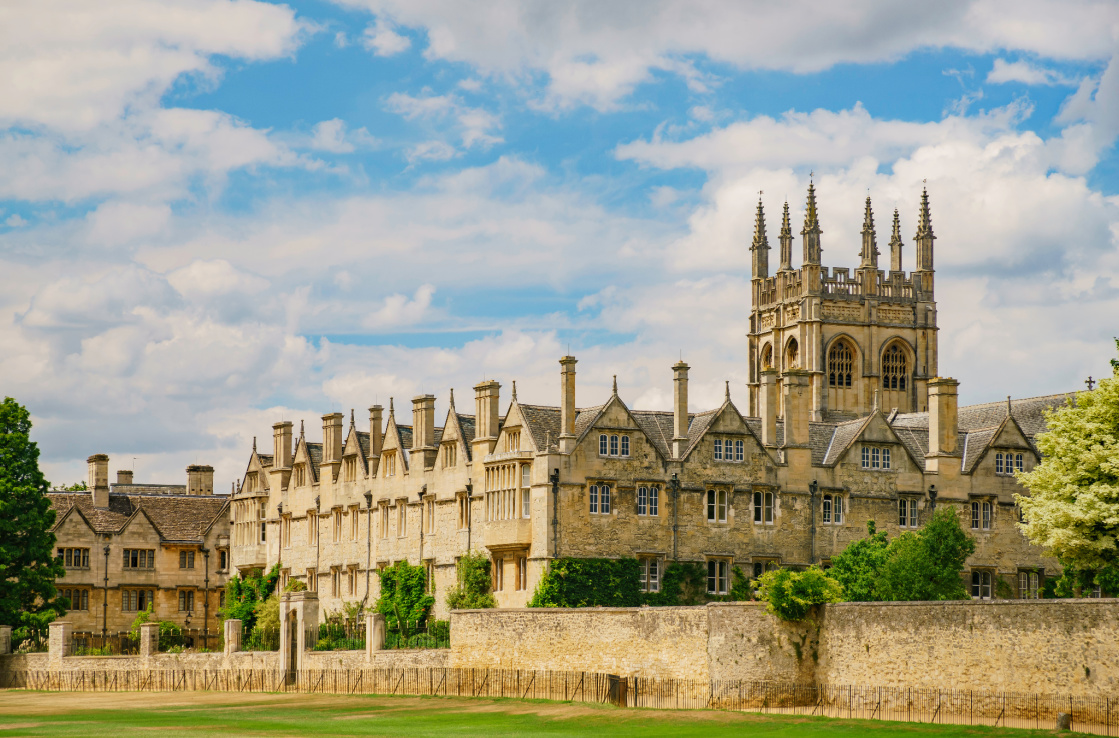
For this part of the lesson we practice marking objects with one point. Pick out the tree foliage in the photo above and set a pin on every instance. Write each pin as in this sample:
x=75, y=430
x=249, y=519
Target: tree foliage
x=28, y=566
x=245, y=596
x=589, y=583
x=791, y=595
x=474, y=589
x=404, y=594
x=1072, y=509
x=920, y=566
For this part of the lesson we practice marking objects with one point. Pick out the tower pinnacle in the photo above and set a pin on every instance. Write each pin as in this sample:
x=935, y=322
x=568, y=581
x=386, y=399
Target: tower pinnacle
x=925, y=235
x=895, y=245
x=811, y=231
x=869, y=253
x=786, y=241
x=759, y=249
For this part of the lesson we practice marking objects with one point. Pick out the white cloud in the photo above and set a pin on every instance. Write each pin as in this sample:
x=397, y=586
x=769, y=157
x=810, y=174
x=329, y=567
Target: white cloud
x=1023, y=71
x=473, y=126
x=382, y=40
x=400, y=312
x=332, y=136
x=595, y=53
x=15, y=220
x=73, y=66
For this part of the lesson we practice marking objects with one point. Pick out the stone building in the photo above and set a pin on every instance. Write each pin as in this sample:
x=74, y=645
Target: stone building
x=128, y=545
x=848, y=421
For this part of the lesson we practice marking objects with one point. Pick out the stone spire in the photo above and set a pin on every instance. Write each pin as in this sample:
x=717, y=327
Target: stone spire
x=925, y=236
x=895, y=245
x=811, y=231
x=869, y=253
x=786, y=241
x=759, y=249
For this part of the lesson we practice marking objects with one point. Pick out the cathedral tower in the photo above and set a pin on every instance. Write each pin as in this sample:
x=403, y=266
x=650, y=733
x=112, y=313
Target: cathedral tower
x=854, y=333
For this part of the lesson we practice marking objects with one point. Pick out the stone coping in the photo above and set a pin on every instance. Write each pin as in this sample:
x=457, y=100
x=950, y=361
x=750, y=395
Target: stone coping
x=756, y=603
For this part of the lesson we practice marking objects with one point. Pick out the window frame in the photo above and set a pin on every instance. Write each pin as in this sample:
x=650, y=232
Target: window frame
x=718, y=505
x=907, y=512
x=765, y=506
x=718, y=575
x=650, y=572
x=982, y=584
x=599, y=498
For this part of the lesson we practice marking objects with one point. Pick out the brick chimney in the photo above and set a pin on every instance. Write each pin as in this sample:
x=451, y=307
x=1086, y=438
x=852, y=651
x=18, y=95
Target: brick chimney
x=99, y=479
x=679, y=409
x=567, y=404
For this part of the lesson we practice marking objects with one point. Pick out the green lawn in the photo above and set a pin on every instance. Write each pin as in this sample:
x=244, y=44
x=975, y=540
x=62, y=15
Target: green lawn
x=216, y=714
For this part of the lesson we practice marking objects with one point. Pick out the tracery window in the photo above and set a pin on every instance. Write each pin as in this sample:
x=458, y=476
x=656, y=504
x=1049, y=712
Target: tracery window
x=894, y=368
x=792, y=355
x=841, y=362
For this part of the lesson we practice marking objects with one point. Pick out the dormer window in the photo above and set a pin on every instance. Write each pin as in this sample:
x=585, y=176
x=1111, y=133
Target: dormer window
x=613, y=444
x=390, y=463
x=727, y=449
x=1006, y=463
x=449, y=455
x=299, y=474
x=513, y=440
x=349, y=469
x=876, y=457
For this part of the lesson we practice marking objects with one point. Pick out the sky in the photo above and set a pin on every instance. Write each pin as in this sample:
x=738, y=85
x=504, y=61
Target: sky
x=219, y=214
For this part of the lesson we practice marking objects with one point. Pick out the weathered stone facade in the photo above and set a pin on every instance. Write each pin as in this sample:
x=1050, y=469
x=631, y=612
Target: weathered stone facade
x=128, y=544
x=789, y=483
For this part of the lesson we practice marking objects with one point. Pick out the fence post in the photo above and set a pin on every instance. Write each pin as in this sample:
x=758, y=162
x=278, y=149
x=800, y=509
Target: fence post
x=232, y=636
x=374, y=633
x=5, y=639
x=59, y=644
x=149, y=640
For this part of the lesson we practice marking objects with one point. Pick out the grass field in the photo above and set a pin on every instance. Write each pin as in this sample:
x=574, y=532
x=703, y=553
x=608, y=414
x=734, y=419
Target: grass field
x=222, y=714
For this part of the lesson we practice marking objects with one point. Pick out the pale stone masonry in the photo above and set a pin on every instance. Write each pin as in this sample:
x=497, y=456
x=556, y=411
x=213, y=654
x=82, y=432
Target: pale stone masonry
x=848, y=421
x=125, y=545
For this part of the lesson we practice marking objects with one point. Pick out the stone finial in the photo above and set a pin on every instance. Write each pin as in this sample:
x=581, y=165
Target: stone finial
x=352, y=423
x=760, y=239
x=615, y=385
x=924, y=221
x=514, y=390
x=874, y=409
x=759, y=249
x=301, y=430
x=728, y=389
x=254, y=444
x=811, y=217
x=869, y=253
x=896, y=245
x=452, y=398
x=786, y=240
x=1008, y=408
x=392, y=410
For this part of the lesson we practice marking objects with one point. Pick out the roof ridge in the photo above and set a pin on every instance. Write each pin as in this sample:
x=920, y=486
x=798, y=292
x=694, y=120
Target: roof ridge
x=1021, y=399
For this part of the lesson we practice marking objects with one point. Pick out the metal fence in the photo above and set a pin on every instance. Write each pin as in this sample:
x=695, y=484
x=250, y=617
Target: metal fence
x=260, y=639
x=336, y=637
x=120, y=643
x=959, y=707
x=198, y=639
x=431, y=634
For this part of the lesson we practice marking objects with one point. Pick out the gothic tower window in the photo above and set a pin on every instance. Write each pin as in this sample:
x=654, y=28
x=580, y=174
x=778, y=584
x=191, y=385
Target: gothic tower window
x=894, y=368
x=767, y=357
x=792, y=355
x=840, y=364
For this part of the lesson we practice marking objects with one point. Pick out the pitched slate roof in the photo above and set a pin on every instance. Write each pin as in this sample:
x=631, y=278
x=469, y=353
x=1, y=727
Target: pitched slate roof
x=543, y=423
x=266, y=460
x=175, y=517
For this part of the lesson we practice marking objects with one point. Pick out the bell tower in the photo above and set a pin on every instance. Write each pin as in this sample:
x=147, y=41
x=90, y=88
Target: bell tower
x=855, y=333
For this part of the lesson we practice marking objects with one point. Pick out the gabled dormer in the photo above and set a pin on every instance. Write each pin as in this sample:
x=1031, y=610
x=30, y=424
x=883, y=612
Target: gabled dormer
x=458, y=432
x=870, y=444
x=394, y=452
x=611, y=431
x=305, y=462
x=722, y=436
x=355, y=453
x=1001, y=450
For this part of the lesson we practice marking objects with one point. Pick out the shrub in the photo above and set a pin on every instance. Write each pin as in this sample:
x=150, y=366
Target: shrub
x=589, y=583
x=473, y=591
x=791, y=595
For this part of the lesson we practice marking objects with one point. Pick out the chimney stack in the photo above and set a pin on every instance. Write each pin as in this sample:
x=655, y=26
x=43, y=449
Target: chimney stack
x=376, y=431
x=944, y=431
x=124, y=476
x=797, y=400
x=99, y=479
x=487, y=416
x=679, y=408
x=332, y=438
x=200, y=480
x=567, y=404
x=768, y=407
x=281, y=445
x=423, y=428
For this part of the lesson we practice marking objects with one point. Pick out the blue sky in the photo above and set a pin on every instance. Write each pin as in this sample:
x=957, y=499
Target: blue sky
x=214, y=213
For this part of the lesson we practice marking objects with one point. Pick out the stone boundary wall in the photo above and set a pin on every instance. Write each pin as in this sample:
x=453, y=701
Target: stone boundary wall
x=1041, y=646
x=662, y=641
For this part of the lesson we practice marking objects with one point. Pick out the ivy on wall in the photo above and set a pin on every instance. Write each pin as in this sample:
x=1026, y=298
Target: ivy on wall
x=404, y=595
x=474, y=589
x=572, y=582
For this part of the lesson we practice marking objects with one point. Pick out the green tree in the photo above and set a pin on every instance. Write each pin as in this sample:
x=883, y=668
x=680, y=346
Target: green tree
x=404, y=594
x=858, y=566
x=791, y=595
x=1072, y=509
x=244, y=595
x=474, y=588
x=28, y=566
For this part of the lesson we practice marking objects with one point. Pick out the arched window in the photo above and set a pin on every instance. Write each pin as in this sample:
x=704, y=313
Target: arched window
x=841, y=361
x=792, y=355
x=767, y=356
x=894, y=368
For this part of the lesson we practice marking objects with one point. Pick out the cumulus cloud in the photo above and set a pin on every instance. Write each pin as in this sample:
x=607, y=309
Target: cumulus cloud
x=332, y=136
x=1003, y=71
x=473, y=126
x=382, y=40
x=596, y=54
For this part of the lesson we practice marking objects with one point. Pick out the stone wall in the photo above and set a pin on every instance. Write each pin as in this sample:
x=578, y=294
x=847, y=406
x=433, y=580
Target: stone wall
x=663, y=641
x=746, y=642
x=1043, y=646
x=157, y=662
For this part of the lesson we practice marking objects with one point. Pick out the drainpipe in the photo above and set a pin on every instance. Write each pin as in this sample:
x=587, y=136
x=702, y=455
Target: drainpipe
x=675, y=484
x=105, y=602
x=318, y=539
x=469, y=517
x=554, y=479
x=368, y=543
x=813, y=488
x=206, y=600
